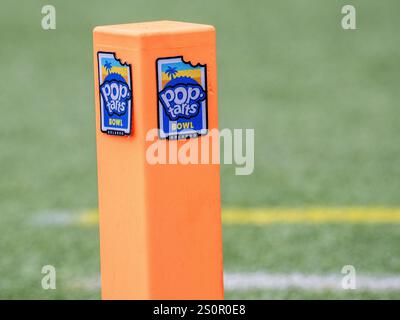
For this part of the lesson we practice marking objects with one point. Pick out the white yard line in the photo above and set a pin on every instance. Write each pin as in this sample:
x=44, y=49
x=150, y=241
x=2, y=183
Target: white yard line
x=283, y=281
x=313, y=282
x=53, y=218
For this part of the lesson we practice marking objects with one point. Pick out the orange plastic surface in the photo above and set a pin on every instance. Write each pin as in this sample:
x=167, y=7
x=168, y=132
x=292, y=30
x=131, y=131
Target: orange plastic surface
x=160, y=225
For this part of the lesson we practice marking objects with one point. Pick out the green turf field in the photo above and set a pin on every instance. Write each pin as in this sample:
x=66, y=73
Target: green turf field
x=323, y=102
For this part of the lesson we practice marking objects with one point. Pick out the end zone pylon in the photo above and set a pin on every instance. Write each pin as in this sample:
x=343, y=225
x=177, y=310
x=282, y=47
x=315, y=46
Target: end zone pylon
x=160, y=225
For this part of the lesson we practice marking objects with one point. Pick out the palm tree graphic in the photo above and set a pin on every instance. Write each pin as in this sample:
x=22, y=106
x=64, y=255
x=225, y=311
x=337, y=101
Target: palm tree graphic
x=171, y=72
x=108, y=66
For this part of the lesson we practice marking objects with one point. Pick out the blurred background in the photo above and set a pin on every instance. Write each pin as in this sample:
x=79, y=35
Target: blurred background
x=323, y=102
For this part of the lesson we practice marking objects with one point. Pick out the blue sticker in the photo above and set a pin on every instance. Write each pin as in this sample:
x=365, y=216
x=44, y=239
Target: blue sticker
x=115, y=89
x=182, y=98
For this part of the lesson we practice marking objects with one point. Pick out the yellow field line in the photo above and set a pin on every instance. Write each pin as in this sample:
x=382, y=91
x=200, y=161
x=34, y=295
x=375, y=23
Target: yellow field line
x=315, y=215
x=88, y=217
x=311, y=215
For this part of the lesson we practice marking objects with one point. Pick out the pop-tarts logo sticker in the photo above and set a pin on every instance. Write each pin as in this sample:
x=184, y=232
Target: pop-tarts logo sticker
x=182, y=98
x=116, y=95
